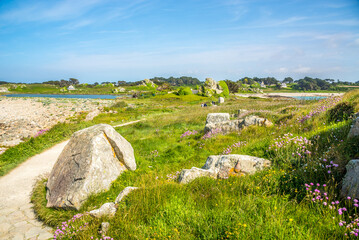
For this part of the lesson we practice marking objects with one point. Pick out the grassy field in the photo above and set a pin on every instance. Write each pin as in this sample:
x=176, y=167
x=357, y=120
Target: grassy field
x=271, y=204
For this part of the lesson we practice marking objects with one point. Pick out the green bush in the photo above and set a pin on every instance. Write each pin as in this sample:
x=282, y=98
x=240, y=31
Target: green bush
x=184, y=91
x=224, y=86
x=340, y=112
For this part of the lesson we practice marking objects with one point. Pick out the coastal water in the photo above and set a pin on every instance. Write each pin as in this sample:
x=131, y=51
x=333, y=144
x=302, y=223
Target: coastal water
x=309, y=97
x=67, y=96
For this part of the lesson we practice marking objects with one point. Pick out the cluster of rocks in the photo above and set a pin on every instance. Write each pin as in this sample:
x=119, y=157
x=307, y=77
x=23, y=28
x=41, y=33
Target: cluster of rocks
x=4, y=90
x=222, y=122
x=23, y=118
x=148, y=83
x=211, y=87
x=223, y=166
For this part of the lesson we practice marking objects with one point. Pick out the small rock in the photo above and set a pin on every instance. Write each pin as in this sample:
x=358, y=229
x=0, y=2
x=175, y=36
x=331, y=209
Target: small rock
x=220, y=100
x=107, y=209
x=124, y=193
x=105, y=226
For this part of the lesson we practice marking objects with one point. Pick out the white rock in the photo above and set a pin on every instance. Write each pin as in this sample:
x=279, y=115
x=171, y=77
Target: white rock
x=107, y=209
x=124, y=193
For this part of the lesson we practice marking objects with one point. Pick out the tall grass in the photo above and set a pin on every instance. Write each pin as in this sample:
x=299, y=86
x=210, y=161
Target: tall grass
x=271, y=204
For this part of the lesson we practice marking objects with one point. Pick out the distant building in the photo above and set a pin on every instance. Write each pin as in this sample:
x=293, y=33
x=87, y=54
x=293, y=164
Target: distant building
x=70, y=88
x=263, y=85
x=283, y=85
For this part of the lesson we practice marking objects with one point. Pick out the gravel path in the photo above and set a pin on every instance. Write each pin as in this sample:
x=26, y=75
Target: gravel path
x=17, y=218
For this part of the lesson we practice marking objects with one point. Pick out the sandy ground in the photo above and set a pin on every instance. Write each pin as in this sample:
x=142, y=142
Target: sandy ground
x=21, y=118
x=17, y=219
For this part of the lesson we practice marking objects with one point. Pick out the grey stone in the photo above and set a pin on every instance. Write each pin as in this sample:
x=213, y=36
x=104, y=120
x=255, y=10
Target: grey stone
x=220, y=100
x=105, y=226
x=107, y=209
x=354, y=130
x=188, y=175
x=93, y=158
x=124, y=193
x=223, y=166
x=350, y=185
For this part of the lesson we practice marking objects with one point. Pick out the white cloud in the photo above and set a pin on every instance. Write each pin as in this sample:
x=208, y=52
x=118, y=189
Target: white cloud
x=302, y=70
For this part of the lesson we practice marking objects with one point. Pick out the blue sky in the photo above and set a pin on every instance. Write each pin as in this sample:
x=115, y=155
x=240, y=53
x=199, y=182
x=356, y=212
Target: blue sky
x=111, y=40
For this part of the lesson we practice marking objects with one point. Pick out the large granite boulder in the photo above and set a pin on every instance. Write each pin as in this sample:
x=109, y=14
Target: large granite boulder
x=93, y=158
x=217, y=118
x=221, y=122
x=350, y=185
x=223, y=166
x=354, y=130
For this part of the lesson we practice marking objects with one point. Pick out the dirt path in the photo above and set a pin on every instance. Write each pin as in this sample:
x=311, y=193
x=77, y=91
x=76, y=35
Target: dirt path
x=17, y=218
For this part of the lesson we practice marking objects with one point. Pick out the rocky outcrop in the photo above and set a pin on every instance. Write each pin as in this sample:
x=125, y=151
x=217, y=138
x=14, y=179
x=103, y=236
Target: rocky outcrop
x=221, y=122
x=108, y=209
x=148, y=83
x=354, y=130
x=93, y=158
x=223, y=166
x=350, y=185
x=211, y=87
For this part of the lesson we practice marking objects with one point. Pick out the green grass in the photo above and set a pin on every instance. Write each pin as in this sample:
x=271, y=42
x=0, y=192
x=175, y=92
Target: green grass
x=270, y=204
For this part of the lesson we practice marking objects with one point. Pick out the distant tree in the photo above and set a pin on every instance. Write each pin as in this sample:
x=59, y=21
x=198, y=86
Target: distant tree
x=288, y=80
x=181, y=81
x=95, y=84
x=73, y=81
x=232, y=86
x=184, y=91
x=56, y=83
x=64, y=83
